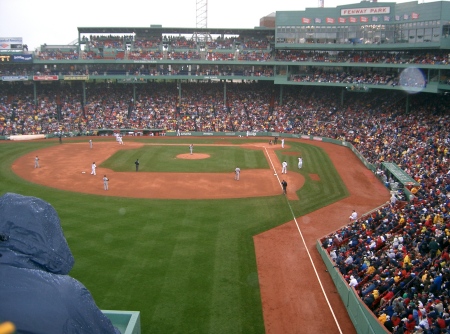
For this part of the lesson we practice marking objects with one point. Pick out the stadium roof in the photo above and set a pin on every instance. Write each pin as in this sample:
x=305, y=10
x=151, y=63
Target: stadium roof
x=163, y=30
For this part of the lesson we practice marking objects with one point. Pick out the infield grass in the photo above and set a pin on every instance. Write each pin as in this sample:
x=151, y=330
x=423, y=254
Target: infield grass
x=187, y=266
x=162, y=158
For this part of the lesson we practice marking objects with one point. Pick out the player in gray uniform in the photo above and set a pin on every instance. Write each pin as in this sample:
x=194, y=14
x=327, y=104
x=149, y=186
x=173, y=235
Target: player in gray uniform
x=191, y=148
x=36, y=162
x=105, y=182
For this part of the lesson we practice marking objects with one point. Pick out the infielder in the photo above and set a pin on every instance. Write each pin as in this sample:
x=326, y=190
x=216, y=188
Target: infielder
x=300, y=162
x=36, y=162
x=90, y=143
x=237, y=173
x=282, y=143
x=94, y=166
x=191, y=148
x=105, y=182
x=284, y=167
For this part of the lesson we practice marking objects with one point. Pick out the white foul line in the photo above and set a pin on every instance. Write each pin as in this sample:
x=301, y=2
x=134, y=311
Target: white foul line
x=307, y=251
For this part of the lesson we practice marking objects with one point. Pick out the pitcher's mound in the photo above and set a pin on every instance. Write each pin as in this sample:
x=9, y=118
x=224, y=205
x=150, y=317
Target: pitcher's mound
x=193, y=156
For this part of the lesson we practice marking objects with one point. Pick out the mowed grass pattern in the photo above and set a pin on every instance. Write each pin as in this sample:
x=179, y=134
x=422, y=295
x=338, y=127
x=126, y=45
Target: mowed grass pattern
x=187, y=266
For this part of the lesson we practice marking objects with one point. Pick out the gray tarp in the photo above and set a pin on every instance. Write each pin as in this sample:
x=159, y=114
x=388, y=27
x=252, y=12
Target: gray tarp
x=36, y=293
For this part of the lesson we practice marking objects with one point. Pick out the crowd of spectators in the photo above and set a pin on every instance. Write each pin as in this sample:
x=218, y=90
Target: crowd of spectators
x=396, y=257
x=139, y=47
x=386, y=57
x=355, y=76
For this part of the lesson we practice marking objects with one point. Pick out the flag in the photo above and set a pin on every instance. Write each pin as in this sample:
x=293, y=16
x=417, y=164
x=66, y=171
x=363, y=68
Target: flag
x=363, y=19
x=397, y=17
x=374, y=18
x=329, y=20
x=386, y=18
x=352, y=19
x=405, y=16
x=414, y=16
x=342, y=20
x=317, y=20
x=306, y=20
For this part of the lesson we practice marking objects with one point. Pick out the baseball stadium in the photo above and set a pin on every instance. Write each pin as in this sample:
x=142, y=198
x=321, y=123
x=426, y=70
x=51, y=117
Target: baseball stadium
x=158, y=153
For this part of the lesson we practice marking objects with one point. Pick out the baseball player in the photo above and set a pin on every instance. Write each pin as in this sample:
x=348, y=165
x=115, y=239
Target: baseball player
x=90, y=143
x=36, y=162
x=237, y=173
x=282, y=143
x=105, y=182
x=120, y=140
x=300, y=162
x=94, y=166
x=284, y=167
x=191, y=148
x=137, y=164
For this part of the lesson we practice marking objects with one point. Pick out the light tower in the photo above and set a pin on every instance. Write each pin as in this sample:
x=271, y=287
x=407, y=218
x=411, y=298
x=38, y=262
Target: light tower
x=201, y=22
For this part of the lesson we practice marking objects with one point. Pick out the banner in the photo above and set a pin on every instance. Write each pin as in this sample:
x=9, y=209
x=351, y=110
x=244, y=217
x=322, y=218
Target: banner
x=342, y=20
x=15, y=78
x=12, y=44
x=22, y=58
x=329, y=20
x=76, y=77
x=306, y=20
x=352, y=19
x=414, y=16
x=363, y=19
x=45, y=77
x=317, y=20
x=365, y=11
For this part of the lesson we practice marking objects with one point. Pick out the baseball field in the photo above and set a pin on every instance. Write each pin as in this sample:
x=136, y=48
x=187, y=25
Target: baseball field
x=192, y=249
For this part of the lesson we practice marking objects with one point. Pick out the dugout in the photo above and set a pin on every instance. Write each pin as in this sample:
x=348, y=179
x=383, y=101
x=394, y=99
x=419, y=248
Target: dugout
x=401, y=179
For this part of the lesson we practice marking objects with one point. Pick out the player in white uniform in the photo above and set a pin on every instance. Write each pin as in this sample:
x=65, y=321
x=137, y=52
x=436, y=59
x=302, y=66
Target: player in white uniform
x=237, y=173
x=282, y=143
x=94, y=166
x=300, y=162
x=36, y=162
x=191, y=148
x=284, y=167
x=353, y=217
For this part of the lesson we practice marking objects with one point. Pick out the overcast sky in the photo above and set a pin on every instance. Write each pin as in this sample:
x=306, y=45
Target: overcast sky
x=56, y=22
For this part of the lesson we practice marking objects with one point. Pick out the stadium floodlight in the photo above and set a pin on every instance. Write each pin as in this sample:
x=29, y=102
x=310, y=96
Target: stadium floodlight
x=201, y=22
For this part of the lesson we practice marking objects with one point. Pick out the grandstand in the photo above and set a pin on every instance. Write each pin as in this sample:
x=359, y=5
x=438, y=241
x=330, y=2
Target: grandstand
x=375, y=75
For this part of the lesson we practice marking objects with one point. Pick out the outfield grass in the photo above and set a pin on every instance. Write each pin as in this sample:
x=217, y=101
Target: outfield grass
x=187, y=266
